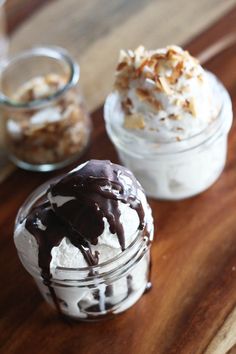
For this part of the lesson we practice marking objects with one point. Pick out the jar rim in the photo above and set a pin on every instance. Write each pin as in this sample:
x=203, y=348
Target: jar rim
x=172, y=147
x=38, y=193
x=53, y=52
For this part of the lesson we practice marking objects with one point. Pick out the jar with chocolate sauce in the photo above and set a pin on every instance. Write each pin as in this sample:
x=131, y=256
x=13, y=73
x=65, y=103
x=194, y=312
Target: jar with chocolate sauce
x=95, y=291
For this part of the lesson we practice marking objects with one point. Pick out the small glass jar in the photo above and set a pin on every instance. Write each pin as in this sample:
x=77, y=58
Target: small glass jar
x=46, y=125
x=173, y=170
x=89, y=293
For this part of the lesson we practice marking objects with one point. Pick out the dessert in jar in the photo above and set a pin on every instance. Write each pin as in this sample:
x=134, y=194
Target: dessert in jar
x=169, y=121
x=85, y=239
x=46, y=125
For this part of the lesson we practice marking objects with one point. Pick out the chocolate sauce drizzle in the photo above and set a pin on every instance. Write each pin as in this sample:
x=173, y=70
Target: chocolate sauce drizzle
x=95, y=190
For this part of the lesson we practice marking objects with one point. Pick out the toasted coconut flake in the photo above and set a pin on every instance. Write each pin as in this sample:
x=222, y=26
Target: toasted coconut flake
x=127, y=105
x=158, y=83
x=200, y=77
x=129, y=102
x=134, y=121
x=172, y=54
x=121, y=66
x=121, y=83
x=177, y=72
x=192, y=107
x=155, y=103
x=150, y=81
x=164, y=85
x=158, y=56
x=178, y=138
x=174, y=116
x=141, y=66
x=186, y=104
x=179, y=129
x=143, y=94
x=122, y=56
x=188, y=76
x=178, y=102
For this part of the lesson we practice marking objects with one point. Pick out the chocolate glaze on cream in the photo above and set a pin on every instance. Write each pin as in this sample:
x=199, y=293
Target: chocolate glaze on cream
x=95, y=190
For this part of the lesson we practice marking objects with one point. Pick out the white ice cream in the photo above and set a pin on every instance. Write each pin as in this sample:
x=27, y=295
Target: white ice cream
x=66, y=256
x=164, y=104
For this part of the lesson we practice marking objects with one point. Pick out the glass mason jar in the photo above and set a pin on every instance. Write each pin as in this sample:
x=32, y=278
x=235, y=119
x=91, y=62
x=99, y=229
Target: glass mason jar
x=46, y=125
x=88, y=293
x=173, y=170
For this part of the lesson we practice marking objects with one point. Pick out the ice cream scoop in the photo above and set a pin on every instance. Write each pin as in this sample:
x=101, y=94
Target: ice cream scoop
x=168, y=112
x=96, y=215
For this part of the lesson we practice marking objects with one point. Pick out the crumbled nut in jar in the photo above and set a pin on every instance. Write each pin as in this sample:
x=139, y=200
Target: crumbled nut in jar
x=39, y=88
x=52, y=134
x=134, y=121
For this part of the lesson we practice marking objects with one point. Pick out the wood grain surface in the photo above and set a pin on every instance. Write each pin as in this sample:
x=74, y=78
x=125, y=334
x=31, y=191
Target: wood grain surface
x=192, y=306
x=95, y=40
x=94, y=31
x=18, y=11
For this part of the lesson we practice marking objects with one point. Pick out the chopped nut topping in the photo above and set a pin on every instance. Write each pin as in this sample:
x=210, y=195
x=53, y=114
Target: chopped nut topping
x=139, y=69
x=145, y=95
x=178, y=102
x=122, y=83
x=174, y=117
x=134, y=121
x=142, y=94
x=192, y=107
x=127, y=105
x=158, y=56
x=177, y=72
x=155, y=103
x=121, y=66
x=165, y=85
x=200, y=77
x=160, y=71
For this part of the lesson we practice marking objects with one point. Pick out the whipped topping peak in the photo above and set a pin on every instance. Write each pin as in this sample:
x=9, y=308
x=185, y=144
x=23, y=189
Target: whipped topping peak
x=165, y=92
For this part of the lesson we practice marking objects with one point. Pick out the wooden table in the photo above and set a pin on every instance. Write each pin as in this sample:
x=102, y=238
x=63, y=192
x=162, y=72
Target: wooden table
x=192, y=306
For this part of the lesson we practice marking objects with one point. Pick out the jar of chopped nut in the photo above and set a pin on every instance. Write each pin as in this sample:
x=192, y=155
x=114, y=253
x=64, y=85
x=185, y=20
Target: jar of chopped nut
x=46, y=125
